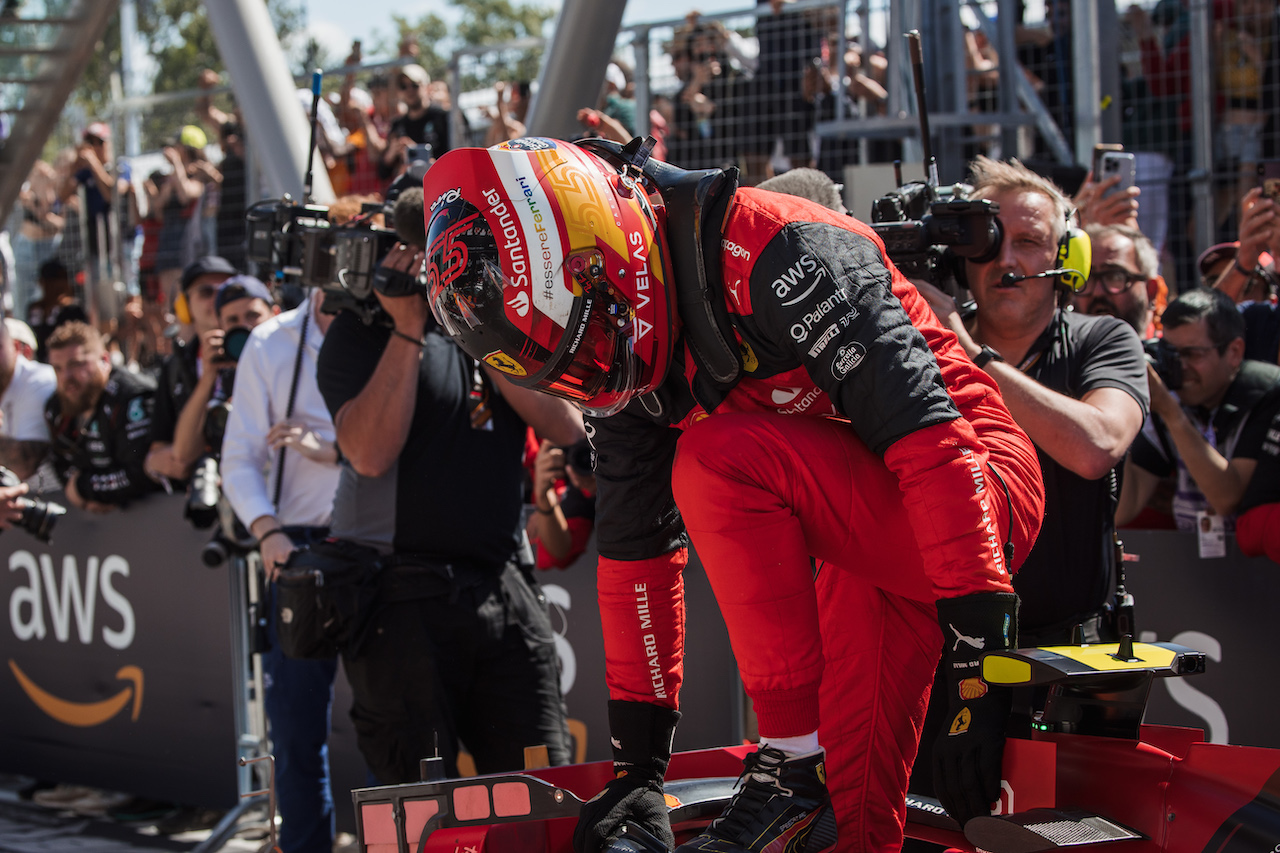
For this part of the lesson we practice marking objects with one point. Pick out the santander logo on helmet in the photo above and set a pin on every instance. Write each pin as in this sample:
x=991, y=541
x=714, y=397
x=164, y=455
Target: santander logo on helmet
x=546, y=263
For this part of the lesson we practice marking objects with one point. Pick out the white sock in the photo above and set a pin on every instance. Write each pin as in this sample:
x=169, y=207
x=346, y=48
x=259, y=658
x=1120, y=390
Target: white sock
x=794, y=746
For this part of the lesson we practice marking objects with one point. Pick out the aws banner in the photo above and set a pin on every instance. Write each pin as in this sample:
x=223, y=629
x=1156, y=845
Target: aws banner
x=1223, y=606
x=115, y=656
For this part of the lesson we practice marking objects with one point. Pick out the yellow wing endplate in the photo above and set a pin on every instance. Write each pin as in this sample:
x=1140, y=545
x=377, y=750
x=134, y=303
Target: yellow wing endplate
x=1062, y=663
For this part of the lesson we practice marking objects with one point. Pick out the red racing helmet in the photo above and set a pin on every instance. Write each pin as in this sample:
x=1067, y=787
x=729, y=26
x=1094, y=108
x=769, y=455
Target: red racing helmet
x=547, y=263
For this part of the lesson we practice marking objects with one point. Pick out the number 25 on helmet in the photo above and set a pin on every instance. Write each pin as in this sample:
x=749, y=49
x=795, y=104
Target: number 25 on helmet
x=548, y=264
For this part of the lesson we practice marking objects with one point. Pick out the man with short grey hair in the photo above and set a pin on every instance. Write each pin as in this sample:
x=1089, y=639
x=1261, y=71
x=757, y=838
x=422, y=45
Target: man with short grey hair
x=1124, y=278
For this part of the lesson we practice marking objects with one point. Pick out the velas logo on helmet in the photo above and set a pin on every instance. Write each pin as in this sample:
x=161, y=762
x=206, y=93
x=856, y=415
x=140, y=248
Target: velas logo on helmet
x=548, y=264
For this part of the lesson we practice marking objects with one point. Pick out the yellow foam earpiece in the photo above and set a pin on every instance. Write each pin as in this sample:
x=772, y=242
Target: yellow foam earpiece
x=1075, y=255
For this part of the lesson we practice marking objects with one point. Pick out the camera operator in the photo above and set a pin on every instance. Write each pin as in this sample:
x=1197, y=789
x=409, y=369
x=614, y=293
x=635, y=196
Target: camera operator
x=100, y=421
x=1075, y=384
x=1213, y=430
x=278, y=408
x=241, y=303
x=181, y=369
x=433, y=482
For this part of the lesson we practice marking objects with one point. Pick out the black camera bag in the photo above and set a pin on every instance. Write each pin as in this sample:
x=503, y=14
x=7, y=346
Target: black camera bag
x=325, y=596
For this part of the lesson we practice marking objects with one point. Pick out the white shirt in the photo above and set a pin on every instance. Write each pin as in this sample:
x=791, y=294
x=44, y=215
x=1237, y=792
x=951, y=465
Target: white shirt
x=263, y=379
x=23, y=401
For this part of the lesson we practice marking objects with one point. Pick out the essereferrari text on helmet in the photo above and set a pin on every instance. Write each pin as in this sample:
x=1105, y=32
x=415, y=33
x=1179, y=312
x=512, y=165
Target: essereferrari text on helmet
x=547, y=264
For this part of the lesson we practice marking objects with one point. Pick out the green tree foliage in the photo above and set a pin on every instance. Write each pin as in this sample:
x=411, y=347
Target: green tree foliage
x=178, y=38
x=480, y=22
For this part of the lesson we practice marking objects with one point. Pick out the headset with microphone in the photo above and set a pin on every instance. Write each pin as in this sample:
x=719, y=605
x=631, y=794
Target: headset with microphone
x=1075, y=257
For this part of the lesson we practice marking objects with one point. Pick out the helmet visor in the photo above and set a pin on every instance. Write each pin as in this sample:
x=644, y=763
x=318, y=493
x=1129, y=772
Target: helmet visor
x=590, y=362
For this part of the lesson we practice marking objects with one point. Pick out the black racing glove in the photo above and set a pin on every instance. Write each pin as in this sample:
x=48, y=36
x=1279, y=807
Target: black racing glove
x=968, y=751
x=641, y=735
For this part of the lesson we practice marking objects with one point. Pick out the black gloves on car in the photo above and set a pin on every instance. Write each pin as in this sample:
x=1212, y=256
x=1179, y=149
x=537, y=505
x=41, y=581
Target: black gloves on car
x=641, y=735
x=968, y=751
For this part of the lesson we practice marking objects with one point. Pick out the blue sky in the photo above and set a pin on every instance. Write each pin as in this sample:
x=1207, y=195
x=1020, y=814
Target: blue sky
x=336, y=22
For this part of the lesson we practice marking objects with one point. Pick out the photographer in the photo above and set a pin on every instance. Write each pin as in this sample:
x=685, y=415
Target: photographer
x=100, y=422
x=1212, y=432
x=422, y=123
x=279, y=472
x=180, y=372
x=462, y=646
x=241, y=303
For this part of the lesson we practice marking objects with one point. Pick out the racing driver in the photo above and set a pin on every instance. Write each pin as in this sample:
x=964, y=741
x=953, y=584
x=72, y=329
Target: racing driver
x=761, y=380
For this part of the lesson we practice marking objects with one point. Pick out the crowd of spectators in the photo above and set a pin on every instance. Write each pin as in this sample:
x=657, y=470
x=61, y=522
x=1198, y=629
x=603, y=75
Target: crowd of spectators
x=121, y=410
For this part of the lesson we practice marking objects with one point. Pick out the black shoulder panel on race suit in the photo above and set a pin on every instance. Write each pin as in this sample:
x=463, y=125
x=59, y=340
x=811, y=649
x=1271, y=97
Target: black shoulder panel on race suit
x=822, y=298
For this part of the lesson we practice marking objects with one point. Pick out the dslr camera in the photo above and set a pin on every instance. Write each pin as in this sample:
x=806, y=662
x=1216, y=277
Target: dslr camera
x=38, y=516
x=925, y=229
x=1166, y=361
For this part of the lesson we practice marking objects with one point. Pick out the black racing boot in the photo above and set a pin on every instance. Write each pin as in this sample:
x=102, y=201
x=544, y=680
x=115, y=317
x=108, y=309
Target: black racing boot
x=781, y=806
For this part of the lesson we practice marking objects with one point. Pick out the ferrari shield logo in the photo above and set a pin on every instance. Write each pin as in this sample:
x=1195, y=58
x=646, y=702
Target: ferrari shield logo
x=499, y=360
x=960, y=724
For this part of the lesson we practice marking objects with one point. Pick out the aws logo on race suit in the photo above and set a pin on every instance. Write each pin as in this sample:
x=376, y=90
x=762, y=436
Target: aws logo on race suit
x=798, y=281
x=94, y=609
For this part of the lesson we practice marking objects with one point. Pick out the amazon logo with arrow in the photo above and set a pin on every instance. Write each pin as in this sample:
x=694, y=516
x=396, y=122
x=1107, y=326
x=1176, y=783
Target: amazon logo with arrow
x=69, y=606
x=84, y=713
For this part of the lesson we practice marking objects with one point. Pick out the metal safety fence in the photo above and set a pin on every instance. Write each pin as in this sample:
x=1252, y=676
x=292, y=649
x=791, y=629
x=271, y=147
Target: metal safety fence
x=1190, y=87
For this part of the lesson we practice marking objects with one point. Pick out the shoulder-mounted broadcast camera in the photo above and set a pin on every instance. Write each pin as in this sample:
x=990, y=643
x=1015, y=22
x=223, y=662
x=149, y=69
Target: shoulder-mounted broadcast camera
x=927, y=228
x=298, y=243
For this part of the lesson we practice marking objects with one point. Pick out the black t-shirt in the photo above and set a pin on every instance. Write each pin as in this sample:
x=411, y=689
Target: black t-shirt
x=178, y=376
x=1070, y=571
x=431, y=128
x=456, y=492
x=1264, y=485
x=1262, y=331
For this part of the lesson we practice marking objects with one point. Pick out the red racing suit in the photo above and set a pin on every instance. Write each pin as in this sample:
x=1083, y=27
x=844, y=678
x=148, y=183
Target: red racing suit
x=859, y=434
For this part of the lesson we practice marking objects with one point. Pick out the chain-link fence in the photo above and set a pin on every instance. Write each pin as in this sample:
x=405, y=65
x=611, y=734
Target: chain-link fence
x=1189, y=87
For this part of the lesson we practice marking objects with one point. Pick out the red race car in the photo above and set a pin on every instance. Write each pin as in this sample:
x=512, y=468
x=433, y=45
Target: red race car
x=1090, y=774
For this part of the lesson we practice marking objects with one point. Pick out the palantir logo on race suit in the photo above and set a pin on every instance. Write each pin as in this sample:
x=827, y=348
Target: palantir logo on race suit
x=800, y=329
x=847, y=358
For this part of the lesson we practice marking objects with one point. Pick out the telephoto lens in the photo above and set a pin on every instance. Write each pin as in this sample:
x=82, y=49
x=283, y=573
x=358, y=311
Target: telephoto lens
x=203, y=494
x=38, y=516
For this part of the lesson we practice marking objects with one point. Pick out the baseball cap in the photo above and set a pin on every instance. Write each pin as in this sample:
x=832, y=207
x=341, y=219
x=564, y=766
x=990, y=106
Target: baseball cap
x=1219, y=252
x=98, y=129
x=208, y=265
x=21, y=332
x=192, y=137
x=613, y=74
x=416, y=73
x=241, y=287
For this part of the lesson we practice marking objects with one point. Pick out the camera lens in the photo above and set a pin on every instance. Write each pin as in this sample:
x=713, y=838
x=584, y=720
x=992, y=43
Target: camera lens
x=39, y=517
